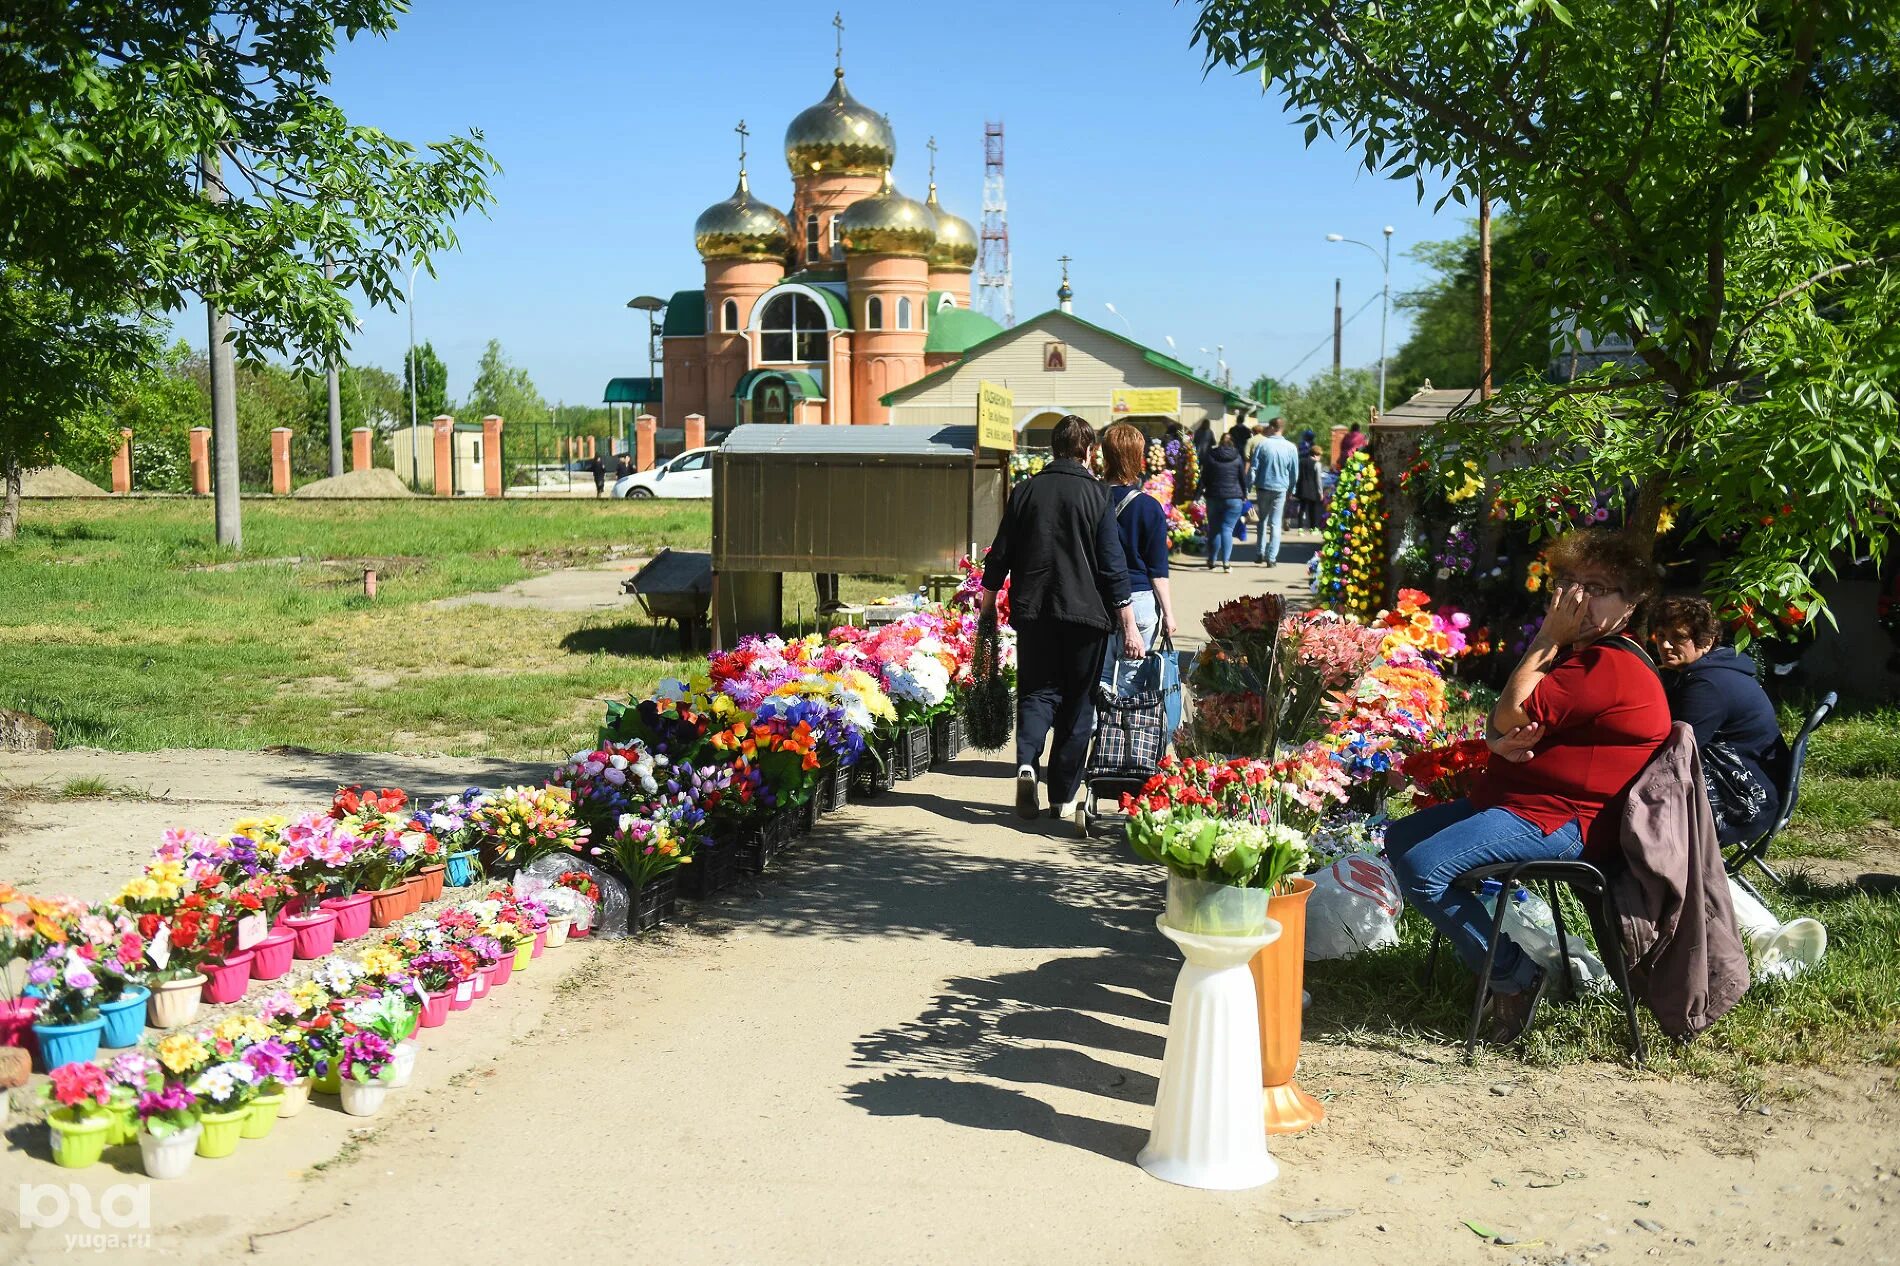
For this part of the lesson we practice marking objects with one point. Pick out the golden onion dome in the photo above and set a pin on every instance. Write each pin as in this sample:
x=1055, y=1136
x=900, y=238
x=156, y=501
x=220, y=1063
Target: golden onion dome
x=888, y=223
x=839, y=136
x=742, y=227
x=956, y=240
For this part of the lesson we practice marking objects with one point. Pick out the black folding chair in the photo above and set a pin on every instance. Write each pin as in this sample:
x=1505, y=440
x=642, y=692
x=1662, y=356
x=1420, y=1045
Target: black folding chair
x=1739, y=857
x=1588, y=883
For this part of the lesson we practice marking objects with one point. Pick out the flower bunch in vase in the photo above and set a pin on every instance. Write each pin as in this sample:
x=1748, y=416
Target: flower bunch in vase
x=605, y=782
x=520, y=824
x=643, y=849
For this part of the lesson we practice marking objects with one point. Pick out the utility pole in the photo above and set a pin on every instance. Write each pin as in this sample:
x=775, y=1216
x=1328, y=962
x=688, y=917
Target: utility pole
x=226, y=509
x=1484, y=291
x=1337, y=327
x=336, y=400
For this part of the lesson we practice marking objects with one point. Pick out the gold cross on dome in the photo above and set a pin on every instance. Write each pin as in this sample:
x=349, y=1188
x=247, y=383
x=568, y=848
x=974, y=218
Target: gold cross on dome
x=1064, y=261
x=743, y=133
x=837, y=20
x=931, y=145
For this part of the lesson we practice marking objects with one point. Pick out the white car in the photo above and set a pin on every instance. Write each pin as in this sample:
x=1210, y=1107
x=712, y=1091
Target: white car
x=688, y=475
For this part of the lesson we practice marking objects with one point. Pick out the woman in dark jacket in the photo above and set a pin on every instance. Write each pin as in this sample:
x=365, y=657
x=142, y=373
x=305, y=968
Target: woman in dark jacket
x=1225, y=479
x=1714, y=691
x=1306, y=483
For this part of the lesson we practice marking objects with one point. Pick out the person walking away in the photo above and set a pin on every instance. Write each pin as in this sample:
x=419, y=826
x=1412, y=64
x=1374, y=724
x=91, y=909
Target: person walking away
x=1306, y=493
x=1143, y=526
x=1224, y=477
x=600, y=475
x=1059, y=541
x=1275, y=467
x=1714, y=691
x=1355, y=440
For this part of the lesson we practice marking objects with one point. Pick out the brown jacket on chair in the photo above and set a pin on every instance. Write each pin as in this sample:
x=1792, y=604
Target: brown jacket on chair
x=1686, y=958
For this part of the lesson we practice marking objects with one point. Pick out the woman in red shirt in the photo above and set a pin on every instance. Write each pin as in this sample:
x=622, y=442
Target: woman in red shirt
x=1578, y=719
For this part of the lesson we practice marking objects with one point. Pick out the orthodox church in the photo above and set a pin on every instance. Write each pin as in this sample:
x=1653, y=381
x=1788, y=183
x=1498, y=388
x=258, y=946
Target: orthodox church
x=815, y=316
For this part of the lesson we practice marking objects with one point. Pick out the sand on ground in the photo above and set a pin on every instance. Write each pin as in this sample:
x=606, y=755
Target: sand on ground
x=931, y=1035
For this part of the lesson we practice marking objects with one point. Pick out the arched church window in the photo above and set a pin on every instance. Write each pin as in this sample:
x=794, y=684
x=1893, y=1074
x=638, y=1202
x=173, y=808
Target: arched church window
x=837, y=252
x=729, y=315
x=903, y=313
x=946, y=300
x=792, y=330
x=811, y=236
x=874, y=313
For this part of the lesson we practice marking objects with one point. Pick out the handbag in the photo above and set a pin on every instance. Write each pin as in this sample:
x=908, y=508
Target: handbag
x=1736, y=797
x=1132, y=725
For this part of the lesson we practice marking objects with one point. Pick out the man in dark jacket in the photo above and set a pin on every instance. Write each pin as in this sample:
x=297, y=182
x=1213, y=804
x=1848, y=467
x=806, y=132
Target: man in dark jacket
x=1059, y=542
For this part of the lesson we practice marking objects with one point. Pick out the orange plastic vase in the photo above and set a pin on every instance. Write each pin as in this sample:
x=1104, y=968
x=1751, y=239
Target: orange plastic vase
x=1278, y=971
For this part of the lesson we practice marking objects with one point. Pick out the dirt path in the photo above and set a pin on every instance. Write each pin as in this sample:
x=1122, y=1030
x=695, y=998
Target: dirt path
x=933, y=1037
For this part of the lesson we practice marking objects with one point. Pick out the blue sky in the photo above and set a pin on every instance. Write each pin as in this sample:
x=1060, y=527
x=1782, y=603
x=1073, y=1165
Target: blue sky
x=1188, y=202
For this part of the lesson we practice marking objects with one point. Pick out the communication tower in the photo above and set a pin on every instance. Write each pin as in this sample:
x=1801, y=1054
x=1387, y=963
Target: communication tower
x=996, y=295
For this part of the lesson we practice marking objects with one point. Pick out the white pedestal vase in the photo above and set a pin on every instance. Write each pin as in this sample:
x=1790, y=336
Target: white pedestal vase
x=1207, y=1126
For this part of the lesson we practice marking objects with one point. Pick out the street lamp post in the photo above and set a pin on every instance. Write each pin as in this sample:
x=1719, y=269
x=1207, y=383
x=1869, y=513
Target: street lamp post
x=415, y=456
x=1124, y=320
x=652, y=306
x=1385, y=296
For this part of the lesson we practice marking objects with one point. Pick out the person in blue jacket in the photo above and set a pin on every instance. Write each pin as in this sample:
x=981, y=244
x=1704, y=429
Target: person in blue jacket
x=1713, y=689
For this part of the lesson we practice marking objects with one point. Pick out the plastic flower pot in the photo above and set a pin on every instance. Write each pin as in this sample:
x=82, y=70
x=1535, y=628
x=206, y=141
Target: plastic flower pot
x=483, y=979
x=315, y=933
x=261, y=1115
x=464, y=995
x=329, y=1083
x=523, y=952
x=68, y=1043
x=555, y=933
x=579, y=931
x=296, y=1098
x=354, y=914
x=415, y=1022
x=125, y=1018
x=168, y=1155
x=496, y=975
x=124, y=1110
x=386, y=905
x=402, y=1065
x=364, y=1098
x=1277, y=976
x=227, y=981
x=16, y=1021
x=78, y=1141
x=412, y=897
x=435, y=1009
x=175, y=1003
x=540, y=942
x=271, y=957
x=432, y=879
x=461, y=868
x=219, y=1132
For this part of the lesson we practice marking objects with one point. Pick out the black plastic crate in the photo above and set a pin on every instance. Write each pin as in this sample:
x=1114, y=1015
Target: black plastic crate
x=874, y=774
x=833, y=787
x=714, y=868
x=912, y=756
x=752, y=848
x=946, y=739
x=653, y=904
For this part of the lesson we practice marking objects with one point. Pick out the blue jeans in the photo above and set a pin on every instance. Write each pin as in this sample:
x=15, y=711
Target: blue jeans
x=1115, y=669
x=1222, y=514
x=1272, y=503
x=1432, y=847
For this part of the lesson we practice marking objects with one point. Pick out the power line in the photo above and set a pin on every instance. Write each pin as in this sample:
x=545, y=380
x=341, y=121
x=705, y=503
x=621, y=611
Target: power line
x=1329, y=338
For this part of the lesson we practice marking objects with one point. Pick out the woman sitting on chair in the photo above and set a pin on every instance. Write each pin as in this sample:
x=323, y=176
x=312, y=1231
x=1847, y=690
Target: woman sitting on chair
x=1713, y=689
x=1578, y=719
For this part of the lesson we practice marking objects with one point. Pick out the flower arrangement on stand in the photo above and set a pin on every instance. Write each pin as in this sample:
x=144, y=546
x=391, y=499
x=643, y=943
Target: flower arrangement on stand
x=1352, y=543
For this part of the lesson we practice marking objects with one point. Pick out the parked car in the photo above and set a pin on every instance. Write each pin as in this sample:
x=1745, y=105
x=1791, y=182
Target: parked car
x=688, y=475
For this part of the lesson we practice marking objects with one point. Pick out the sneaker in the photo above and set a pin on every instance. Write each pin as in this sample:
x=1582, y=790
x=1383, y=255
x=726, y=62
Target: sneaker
x=1512, y=1013
x=1227, y=567
x=1026, y=806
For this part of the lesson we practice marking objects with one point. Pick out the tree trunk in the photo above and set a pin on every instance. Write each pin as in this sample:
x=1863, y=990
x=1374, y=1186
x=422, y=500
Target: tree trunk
x=227, y=510
x=1484, y=291
x=10, y=505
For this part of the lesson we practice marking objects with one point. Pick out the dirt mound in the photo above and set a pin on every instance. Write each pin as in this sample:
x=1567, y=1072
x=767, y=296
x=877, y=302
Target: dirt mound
x=376, y=482
x=57, y=481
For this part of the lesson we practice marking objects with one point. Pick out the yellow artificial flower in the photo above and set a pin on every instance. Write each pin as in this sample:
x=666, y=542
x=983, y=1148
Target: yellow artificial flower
x=380, y=960
x=241, y=1028
x=309, y=995
x=181, y=1052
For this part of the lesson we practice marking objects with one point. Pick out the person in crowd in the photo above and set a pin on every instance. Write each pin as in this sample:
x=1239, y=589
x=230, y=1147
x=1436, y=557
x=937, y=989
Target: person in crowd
x=1143, y=525
x=1713, y=689
x=599, y=469
x=1223, y=483
x=1272, y=472
x=1070, y=595
x=1306, y=489
x=1577, y=720
x=1354, y=441
x=1203, y=442
x=1247, y=438
x=623, y=466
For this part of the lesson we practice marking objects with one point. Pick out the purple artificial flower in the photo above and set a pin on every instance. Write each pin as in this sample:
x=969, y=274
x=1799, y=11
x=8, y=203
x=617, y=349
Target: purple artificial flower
x=270, y=1060
x=172, y=1097
x=40, y=973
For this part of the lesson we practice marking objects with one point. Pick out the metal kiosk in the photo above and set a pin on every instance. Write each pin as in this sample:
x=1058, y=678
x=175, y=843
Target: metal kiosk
x=878, y=500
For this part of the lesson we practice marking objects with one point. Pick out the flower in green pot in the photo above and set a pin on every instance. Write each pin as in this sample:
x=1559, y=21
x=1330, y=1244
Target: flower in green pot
x=168, y=1129
x=225, y=1091
x=270, y=1063
x=131, y=1073
x=81, y=1118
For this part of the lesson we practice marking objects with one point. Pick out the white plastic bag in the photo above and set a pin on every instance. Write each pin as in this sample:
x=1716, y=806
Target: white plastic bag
x=1531, y=925
x=1354, y=907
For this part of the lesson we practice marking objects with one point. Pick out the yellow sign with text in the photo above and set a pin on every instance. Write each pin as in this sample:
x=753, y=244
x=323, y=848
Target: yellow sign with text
x=995, y=417
x=1145, y=402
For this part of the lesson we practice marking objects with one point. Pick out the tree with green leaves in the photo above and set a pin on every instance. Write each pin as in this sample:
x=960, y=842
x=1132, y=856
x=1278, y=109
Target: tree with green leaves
x=1443, y=344
x=503, y=389
x=432, y=384
x=124, y=126
x=1329, y=399
x=1679, y=170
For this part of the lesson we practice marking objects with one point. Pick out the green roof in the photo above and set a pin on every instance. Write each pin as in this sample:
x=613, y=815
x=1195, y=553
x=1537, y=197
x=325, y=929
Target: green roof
x=633, y=391
x=957, y=329
x=1158, y=359
x=803, y=386
x=685, y=314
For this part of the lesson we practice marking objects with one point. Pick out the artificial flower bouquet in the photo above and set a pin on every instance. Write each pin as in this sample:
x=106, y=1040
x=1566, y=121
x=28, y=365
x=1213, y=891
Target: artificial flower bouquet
x=520, y=824
x=643, y=849
x=607, y=781
x=1448, y=772
x=78, y=1093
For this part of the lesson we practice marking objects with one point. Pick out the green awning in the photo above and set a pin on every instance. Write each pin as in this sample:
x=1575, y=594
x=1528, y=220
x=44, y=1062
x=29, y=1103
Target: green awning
x=800, y=384
x=633, y=391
